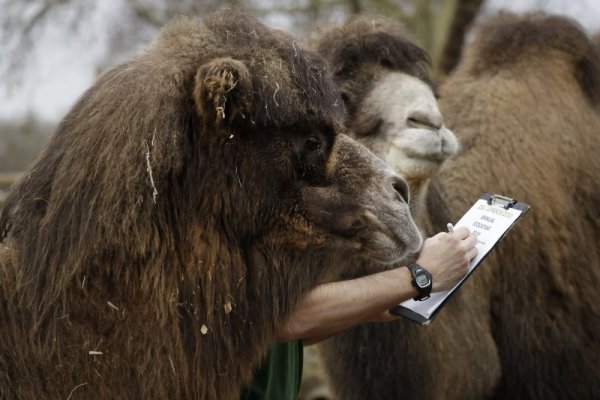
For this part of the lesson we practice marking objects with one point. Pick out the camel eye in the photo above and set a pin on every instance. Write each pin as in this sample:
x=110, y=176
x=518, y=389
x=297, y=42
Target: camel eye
x=313, y=143
x=386, y=63
x=345, y=98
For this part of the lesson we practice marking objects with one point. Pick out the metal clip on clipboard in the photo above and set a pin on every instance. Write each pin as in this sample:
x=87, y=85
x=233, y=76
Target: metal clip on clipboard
x=503, y=201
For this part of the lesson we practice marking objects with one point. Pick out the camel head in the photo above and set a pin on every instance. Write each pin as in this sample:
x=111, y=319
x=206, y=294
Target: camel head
x=400, y=120
x=391, y=104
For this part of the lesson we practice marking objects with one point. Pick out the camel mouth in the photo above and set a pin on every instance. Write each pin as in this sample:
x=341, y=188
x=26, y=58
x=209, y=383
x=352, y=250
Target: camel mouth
x=426, y=144
x=435, y=158
x=421, y=153
x=386, y=240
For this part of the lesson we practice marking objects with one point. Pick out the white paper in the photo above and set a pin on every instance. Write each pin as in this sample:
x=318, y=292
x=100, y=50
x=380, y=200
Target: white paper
x=488, y=223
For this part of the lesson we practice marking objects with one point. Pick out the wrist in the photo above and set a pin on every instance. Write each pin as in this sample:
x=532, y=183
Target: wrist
x=404, y=288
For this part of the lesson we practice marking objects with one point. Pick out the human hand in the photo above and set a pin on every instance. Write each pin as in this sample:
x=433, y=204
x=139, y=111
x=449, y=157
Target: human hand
x=447, y=255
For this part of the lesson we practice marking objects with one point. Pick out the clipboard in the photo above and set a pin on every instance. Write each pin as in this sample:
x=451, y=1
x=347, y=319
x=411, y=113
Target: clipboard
x=490, y=219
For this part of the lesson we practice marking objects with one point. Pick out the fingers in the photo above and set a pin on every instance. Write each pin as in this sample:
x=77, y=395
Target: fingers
x=461, y=233
x=463, y=239
x=470, y=241
x=439, y=235
x=471, y=253
x=469, y=244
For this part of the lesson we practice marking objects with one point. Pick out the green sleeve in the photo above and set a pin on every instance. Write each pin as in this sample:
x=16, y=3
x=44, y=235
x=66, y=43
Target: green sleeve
x=278, y=378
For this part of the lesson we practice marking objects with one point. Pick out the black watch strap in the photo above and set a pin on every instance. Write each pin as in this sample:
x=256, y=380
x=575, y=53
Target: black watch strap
x=421, y=280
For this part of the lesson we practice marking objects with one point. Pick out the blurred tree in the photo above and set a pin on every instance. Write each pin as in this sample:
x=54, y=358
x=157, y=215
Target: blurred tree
x=20, y=143
x=135, y=22
x=118, y=28
x=454, y=19
x=131, y=24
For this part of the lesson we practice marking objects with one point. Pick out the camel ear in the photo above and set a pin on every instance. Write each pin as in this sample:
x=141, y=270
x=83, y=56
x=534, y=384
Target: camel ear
x=223, y=92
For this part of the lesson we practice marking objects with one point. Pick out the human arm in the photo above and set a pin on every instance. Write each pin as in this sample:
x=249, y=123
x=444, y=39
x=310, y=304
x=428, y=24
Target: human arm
x=336, y=306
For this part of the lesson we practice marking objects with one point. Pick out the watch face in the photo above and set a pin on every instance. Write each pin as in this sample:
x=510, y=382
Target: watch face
x=422, y=279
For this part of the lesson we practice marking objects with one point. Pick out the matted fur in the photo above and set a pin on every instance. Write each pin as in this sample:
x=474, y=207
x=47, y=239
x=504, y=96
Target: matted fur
x=524, y=104
x=180, y=209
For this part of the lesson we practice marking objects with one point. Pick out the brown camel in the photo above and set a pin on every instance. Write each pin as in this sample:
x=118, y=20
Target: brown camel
x=180, y=209
x=382, y=77
x=524, y=103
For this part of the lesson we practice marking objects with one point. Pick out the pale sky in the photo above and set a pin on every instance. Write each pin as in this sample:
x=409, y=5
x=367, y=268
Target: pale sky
x=63, y=67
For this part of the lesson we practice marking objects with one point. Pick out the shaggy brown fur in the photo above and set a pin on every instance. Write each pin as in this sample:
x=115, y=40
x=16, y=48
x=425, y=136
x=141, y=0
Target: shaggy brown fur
x=524, y=103
x=178, y=212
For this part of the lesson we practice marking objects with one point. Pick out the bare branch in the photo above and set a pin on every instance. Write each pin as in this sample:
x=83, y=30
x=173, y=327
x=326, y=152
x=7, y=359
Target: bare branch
x=21, y=24
x=39, y=16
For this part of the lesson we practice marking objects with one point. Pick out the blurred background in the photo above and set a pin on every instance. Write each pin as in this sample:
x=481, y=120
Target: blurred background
x=51, y=50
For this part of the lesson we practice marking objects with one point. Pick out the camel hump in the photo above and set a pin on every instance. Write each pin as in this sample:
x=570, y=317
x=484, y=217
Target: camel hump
x=507, y=39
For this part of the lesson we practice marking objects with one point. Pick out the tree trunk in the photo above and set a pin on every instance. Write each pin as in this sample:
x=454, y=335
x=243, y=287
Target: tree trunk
x=463, y=15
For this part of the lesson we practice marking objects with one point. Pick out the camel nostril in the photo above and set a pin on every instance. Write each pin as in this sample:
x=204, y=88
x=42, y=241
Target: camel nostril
x=401, y=187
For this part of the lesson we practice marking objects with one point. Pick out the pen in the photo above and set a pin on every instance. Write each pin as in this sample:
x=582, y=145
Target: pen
x=450, y=227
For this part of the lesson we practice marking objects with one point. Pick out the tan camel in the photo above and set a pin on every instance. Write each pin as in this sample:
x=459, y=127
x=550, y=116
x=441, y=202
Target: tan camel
x=524, y=103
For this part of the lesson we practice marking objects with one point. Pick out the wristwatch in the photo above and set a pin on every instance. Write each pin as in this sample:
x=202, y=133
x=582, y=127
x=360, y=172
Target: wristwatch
x=421, y=279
